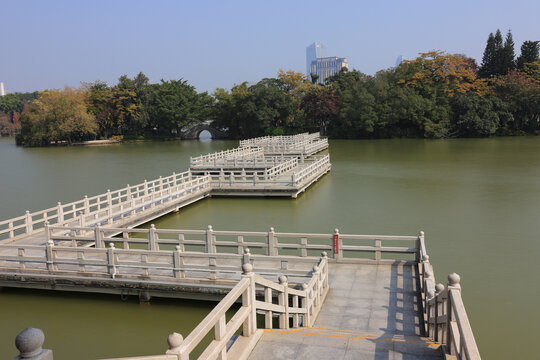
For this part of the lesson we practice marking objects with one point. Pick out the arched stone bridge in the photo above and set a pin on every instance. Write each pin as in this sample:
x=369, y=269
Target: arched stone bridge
x=193, y=132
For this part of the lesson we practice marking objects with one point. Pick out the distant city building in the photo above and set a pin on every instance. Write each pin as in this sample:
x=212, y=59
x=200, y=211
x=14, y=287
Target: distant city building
x=399, y=60
x=327, y=66
x=2, y=91
x=313, y=52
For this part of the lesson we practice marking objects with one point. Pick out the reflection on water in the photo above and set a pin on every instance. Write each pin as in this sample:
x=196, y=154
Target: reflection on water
x=477, y=200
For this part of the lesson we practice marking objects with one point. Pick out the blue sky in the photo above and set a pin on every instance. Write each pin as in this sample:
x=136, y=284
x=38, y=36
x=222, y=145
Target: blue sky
x=52, y=44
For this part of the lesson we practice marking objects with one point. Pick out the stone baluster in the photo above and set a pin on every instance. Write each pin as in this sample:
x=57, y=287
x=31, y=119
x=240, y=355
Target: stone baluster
x=175, y=341
x=272, y=243
x=283, y=300
x=28, y=222
x=248, y=300
x=49, y=256
x=29, y=342
x=98, y=237
x=438, y=310
x=152, y=238
x=453, y=286
x=210, y=241
x=60, y=213
x=111, y=261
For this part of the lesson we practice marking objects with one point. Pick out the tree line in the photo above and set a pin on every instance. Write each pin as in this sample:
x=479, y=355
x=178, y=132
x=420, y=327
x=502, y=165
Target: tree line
x=436, y=95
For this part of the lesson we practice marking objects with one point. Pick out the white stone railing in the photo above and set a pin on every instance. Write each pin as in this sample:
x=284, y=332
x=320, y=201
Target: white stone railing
x=341, y=247
x=296, y=308
x=238, y=153
x=310, y=170
x=145, y=266
x=445, y=317
x=284, y=139
x=247, y=163
x=105, y=207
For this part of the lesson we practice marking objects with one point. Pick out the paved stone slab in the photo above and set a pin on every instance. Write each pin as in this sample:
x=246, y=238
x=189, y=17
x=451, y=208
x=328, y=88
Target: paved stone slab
x=371, y=312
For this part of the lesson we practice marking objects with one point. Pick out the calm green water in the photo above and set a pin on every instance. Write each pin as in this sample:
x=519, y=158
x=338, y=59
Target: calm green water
x=477, y=200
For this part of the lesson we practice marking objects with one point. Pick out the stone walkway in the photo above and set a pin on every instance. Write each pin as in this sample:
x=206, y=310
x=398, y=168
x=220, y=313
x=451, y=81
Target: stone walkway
x=371, y=312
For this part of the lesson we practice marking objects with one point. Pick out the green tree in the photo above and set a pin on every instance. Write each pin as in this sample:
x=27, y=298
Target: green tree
x=507, y=55
x=57, y=115
x=176, y=104
x=529, y=53
x=488, y=66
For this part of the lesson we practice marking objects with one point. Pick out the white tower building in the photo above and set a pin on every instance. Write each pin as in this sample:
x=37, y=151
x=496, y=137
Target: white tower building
x=2, y=91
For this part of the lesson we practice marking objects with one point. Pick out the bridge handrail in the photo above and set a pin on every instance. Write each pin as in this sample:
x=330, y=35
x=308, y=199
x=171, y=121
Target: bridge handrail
x=300, y=305
x=226, y=154
x=445, y=317
x=65, y=213
x=336, y=244
x=309, y=170
x=258, y=161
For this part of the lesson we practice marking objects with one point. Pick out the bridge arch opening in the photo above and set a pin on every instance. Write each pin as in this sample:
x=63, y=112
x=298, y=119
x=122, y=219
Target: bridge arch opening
x=205, y=135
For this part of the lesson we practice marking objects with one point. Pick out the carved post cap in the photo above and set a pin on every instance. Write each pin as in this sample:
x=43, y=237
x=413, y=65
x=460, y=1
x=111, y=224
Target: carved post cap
x=324, y=254
x=247, y=251
x=453, y=280
x=428, y=274
x=111, y=245
x=282, y=279
x=421, y=233
x=209, y=227
x=247, y=268
x=430, y=294
x=59, y=203
x=178, y=248
x=304, y=286
x=29, y=342
x=336, y=231
x=272, y=229
x=174, y=340
x=438, y=288
x=426, y=258
x=152, y=226
x=50, y=242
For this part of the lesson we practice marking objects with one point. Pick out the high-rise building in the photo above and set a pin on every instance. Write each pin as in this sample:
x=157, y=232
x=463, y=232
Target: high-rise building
x=313, y=52
x=399, y=60
x=2, y=91
x=327, y=66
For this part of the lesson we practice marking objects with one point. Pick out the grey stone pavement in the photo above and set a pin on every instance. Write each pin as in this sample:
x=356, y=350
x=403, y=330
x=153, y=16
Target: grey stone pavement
x=370, y=312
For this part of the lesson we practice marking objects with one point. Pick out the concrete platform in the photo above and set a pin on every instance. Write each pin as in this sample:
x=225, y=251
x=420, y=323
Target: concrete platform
x=371, y=312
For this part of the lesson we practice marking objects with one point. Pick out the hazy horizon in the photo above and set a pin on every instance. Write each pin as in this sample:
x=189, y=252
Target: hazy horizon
x=218, y=44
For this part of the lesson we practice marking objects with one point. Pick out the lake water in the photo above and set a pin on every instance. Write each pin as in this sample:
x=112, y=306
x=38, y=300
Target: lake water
x=478, y=201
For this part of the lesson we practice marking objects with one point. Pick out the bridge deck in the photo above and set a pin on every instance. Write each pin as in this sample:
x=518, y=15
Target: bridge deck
x=371, y=312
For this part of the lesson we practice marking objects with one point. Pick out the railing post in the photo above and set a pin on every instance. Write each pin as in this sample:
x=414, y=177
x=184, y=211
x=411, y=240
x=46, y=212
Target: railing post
x=210, y=243
x=82, y=222
x=177, y=262
x=49, y=255
x=175, y=341
x=378, y=246
x=247, y=257
x=47, y=231
x=29, y=342
x=28, y=222
x=306, y=305
x=111, y=260
x=439, y=288
x=272, y=243
x=283, y=300
x=248, y=300
x=324, y=256
x=419, y=241
x=337, y=246
x=145, y=187
x=453, y=286
x=160, y=183
x=98, y=237
x=60, y=213
x=152, y=244
x=317, y=276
